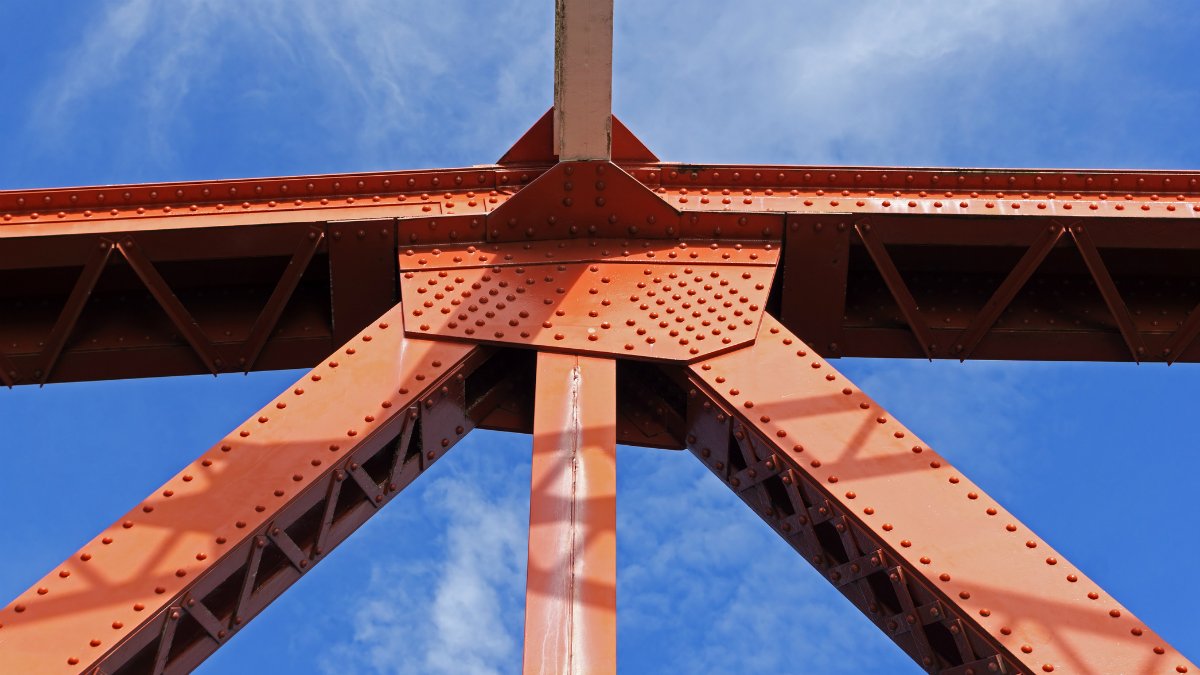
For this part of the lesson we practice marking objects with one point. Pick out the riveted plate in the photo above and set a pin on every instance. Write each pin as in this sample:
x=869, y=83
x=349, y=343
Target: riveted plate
x=599, y=199
x=582, y=199
x=953, y=542
x=674, y=301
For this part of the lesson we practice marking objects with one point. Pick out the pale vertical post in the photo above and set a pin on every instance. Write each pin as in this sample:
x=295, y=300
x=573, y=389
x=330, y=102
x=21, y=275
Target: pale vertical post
x=571, y=592
x=583, y=35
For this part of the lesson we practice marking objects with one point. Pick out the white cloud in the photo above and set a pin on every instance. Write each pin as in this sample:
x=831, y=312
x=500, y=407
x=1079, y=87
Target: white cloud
x=701, y=580
x=705, y=587
x=834, y=82
x=392, y=74
x=451, y=607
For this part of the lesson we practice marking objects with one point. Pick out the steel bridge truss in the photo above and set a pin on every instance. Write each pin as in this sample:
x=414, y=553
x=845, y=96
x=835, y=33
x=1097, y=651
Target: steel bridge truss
x=587, y=293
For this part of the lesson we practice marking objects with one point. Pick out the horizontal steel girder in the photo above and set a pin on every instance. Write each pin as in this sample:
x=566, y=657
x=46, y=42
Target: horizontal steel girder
x=865, y=272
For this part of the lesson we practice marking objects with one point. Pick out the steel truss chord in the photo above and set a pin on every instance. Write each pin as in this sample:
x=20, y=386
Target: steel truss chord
x=942, y=569
x=181, y=573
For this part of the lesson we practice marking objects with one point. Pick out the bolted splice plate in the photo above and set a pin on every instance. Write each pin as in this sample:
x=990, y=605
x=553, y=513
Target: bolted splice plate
x=599, y=199
x=645, y=299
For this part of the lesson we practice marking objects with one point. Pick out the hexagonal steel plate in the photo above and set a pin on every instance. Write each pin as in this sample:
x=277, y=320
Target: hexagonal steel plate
x=657, y=300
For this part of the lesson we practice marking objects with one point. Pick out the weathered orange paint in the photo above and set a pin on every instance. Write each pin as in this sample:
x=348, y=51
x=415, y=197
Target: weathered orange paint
x=118, y=588
x=571, y=594
x=660, y=300
x=583, y=38
x=795, y=413
x=590, y=260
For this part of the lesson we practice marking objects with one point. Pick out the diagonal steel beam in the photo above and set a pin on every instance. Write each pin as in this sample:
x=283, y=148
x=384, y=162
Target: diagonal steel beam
x=897, y=287
x=946, y=572
x=1004, y=295
x=284, y=289
x=92, y=269
x=1108, y=289
x=1183, y=337
x=166, y=298
x=168, y=583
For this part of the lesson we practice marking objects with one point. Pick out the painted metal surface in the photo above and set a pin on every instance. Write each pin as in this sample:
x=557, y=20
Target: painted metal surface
x=588, y=260
x=1147, y=238
x=536, y=146
x=649, y=300
x=571, y=591
x=600, y=199
x=951, y=576
x=957, y=288
x=583, y=38
x=183, y=571
x=177, y=302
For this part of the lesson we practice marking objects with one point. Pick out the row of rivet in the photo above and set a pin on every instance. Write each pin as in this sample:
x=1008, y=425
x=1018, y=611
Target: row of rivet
x=207, y=462
x=426, y=205
x=799, y=177
x=279, y=189
x=798, y=530
x=934, y=464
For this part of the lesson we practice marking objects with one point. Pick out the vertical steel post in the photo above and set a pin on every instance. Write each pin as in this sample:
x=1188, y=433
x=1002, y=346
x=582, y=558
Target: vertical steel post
x=571, y=593
x=583, y=35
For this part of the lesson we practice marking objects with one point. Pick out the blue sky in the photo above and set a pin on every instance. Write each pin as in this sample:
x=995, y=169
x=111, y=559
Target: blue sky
x=1098, y=459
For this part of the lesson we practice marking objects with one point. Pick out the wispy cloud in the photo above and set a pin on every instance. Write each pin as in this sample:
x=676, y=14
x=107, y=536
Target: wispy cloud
x=865, y=82
x=973, y=413
x=453, y=607
x=396, y=77
x=705, y=587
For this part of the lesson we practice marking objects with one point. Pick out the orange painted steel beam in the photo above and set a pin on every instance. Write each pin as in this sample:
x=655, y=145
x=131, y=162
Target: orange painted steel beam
x=805, y=451
x=583, y=39
x=1011, y=193
x=657, y=300
x=571, y=592
x=1143, y=236
x=181, y=573
x=258, y=201
x=944, y=191
x=952, y=577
